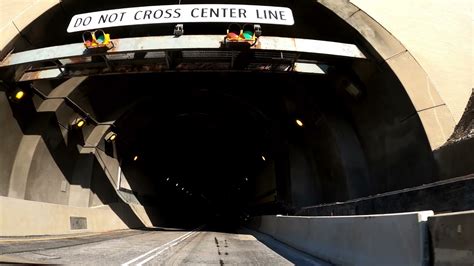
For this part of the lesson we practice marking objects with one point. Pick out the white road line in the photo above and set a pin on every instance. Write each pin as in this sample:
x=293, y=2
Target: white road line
x=153, y=250
x=162, y=246
x=161, y=251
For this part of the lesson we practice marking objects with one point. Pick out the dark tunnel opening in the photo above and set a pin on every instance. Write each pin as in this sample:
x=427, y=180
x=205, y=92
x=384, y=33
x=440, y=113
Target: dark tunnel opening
x=206, y=145
x=218, y=148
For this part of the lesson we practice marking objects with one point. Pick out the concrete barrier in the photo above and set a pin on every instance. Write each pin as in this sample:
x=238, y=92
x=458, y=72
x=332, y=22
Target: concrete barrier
x=23, y=218
x=389, y=239
x=452, y=238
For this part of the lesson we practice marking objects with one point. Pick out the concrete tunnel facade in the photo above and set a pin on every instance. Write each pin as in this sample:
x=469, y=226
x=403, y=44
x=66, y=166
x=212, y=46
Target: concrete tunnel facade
x=236, y=148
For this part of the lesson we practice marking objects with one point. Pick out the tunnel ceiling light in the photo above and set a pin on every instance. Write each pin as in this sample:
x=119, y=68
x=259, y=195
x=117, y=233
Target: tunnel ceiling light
x=177, y=184
x=182, y=189
x=19, y=94
x=299, y=122
x=79, y=122
x=135, y=157
x=246, y=179
x=263, y=158
x=167, y=179
x=111, y=136
x=353, y=90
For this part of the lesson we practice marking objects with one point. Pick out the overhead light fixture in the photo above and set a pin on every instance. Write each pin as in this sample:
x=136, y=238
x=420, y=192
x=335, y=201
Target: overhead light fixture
x=251, y=32
x=299, y=122
x=263, y=158
x=96, y=39
x=182, y=189
x=257, y=29
x=177, y=184
x=245, y=36
x=178, y=30
x=167, y=179
x=111, y=136
x=233, y=33
x=79, y=122
x=135, y=157
x=246, y=179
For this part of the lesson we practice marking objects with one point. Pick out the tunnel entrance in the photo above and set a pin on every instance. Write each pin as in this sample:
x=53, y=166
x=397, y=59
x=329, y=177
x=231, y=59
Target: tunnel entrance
x=208, y=134
x=221, y=147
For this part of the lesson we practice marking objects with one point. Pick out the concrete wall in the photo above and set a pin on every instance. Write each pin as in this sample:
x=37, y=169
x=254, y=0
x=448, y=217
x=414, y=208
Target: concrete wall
x=21, y=218
x=16, y=15
x=47, y=178
x=391, y=239
x=452, y=238
x=430, y=108
x=454, y=194
x=439, y=35
x=11, y=136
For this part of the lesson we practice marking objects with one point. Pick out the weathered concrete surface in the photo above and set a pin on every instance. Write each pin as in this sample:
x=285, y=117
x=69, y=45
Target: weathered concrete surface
x=22, y=218
x=390, y=239
x=16, y=15
x=452, y=238
x=115, y=248
x=436, y=118
x=11, y=136
x=439, y=34
x=21, y=167
x=453, y=194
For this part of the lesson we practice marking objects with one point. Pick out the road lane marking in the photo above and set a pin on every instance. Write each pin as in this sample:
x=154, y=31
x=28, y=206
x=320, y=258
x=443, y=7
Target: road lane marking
x=164, y=247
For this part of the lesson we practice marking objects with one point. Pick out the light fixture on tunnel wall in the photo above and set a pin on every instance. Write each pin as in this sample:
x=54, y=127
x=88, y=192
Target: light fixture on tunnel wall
x=78, y=123
x=167, y=179
x=263, y=158
x=135, y=158
x=177, y=184
x=353, y=90
x=299, y=123
x=111, y=136
x=17, y=95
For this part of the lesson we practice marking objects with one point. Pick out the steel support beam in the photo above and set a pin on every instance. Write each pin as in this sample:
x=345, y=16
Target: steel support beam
x=186, y=42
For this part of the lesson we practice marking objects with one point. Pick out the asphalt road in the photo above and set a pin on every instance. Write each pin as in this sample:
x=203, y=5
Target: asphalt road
x=155, y=247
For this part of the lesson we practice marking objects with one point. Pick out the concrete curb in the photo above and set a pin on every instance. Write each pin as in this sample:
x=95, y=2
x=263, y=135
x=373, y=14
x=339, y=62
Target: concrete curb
x=388, y=239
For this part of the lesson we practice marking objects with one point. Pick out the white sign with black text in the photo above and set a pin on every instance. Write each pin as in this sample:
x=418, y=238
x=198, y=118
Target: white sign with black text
x=181, y=14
